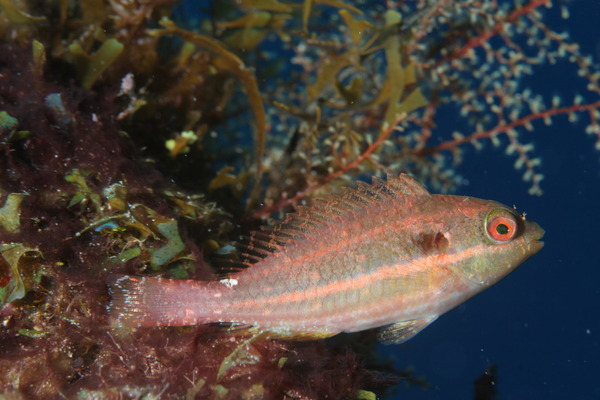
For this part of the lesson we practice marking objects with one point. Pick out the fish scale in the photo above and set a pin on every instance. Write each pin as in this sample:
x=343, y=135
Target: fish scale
x=389, y=254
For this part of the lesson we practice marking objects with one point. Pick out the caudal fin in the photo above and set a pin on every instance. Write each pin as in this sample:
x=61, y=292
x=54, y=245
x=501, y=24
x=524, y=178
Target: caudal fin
x=144, y=301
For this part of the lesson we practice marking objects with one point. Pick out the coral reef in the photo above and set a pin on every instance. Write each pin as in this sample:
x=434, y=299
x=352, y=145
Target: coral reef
x=140, y=137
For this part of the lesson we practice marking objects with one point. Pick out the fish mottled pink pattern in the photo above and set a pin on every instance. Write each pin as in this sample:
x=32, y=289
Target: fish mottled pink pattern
x=386, y=255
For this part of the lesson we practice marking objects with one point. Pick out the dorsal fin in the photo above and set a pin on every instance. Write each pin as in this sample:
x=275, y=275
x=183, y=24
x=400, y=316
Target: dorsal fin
x=405, y=185
x=329, y=212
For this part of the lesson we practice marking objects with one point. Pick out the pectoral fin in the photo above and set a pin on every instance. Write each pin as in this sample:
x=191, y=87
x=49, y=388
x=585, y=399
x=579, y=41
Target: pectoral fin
x=402, y=331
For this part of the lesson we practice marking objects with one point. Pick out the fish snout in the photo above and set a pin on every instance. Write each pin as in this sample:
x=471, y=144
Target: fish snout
x=534, y=233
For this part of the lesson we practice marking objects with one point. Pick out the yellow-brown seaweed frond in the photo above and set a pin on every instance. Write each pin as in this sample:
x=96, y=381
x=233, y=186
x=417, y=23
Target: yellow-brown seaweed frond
x=227, y=61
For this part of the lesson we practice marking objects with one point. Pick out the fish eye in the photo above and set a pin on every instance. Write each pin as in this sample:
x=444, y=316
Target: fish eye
x=501, y=225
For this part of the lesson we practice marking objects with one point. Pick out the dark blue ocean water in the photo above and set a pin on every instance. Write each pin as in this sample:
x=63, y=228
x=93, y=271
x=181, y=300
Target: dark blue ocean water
x=541, y=325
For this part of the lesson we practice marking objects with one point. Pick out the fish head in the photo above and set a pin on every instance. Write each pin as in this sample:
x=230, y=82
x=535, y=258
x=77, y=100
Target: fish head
x=489, y=240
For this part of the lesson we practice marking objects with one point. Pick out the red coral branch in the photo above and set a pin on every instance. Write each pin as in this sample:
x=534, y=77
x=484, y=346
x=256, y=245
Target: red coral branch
x=486, y=35
x=503, y=128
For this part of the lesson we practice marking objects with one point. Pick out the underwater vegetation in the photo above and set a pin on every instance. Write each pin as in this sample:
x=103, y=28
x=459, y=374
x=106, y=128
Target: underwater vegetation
x=144, y=137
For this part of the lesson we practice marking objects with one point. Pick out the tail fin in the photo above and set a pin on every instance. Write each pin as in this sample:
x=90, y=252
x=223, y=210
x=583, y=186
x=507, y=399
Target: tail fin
x=144, y=301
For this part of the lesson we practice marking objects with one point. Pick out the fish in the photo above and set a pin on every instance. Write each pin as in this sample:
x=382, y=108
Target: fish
x=387, y=255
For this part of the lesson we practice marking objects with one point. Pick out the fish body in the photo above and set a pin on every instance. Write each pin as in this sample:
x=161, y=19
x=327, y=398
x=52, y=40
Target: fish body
x=389, y=254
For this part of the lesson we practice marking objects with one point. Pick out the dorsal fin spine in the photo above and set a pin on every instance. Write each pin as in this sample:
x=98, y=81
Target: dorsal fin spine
x=405, y=185
x=249, y=258
x=256, y=254
x=384, y=189
x=356, y=199
x=369, y=191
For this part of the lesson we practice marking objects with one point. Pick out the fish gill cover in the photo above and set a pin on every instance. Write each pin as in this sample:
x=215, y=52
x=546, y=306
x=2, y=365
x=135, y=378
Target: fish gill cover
x=138, y=137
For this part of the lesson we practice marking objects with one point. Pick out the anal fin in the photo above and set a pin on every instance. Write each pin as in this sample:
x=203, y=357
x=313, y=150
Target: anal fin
x=402, y=331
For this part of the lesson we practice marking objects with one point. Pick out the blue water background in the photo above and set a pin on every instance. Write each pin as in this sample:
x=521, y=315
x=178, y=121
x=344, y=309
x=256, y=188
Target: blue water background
x=541, y=325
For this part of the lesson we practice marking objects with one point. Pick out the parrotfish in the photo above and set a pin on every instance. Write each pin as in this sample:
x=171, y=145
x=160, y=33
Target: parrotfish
x=387, y=254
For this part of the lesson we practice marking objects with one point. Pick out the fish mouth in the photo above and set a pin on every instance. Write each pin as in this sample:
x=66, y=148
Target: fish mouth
x=537, y=243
